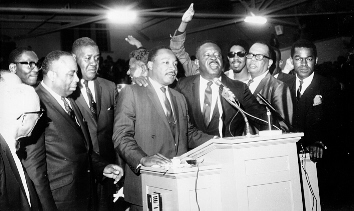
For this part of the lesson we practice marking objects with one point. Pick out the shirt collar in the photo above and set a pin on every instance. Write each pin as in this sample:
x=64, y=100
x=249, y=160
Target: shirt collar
x=257, y=79
x=307, y=80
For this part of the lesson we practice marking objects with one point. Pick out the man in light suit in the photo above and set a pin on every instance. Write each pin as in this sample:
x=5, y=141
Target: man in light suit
x=276, y=92
x=19, y=113
x=97, y=103
x=61, y=162
x=151, y=120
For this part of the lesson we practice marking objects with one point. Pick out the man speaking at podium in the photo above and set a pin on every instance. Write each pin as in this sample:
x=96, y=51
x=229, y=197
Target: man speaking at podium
x=152, y=121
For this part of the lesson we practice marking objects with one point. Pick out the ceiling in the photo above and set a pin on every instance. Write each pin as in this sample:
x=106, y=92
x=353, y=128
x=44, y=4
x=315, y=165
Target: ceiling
x=312, y=19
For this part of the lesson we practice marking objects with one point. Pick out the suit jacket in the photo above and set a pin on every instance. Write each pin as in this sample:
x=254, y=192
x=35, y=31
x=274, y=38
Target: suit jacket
x=12, y=192
x=141, y=129
x=233, y=122
x=278, y=95
x=317, y=122
x=60, y=162
x=101, y=130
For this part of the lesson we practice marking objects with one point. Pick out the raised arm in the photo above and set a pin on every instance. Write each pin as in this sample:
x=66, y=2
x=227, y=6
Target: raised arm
x=177, y=44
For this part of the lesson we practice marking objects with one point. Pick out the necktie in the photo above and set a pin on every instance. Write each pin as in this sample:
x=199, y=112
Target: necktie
x=92, y=103
x=207, y=103
x=68, y=109
x=249, y=82
x=169, y=113
x=298, y=93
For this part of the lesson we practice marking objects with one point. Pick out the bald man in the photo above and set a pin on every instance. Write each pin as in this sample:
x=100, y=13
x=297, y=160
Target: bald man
x=19, y=114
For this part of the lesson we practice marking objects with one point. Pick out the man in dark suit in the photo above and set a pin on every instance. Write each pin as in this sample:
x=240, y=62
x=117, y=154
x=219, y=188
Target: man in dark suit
x=61, y=162
x=19, y=113
x=96, y=98
x=315, y=100
x=151, y=120
x=276, y=92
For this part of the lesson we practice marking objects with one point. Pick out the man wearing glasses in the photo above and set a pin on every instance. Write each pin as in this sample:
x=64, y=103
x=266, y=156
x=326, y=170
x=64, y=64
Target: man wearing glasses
x=19, y=114
x=276, y=92
x=23, y=62
x=237, y=61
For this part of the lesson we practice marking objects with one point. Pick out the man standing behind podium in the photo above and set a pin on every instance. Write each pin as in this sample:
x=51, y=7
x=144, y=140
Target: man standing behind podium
x=96, y=99
x=152, y=120
x=60, y=162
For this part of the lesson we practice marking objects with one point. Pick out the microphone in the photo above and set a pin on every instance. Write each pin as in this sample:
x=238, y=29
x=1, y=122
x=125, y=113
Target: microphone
x=272, y=109
x=231, y=98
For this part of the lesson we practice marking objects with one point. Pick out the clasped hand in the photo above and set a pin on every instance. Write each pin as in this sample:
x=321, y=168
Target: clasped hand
x=113, y=171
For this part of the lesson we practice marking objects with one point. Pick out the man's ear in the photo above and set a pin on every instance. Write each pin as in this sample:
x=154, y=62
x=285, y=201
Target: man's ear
x=74, y=56
x=316, y=60
x=12, y=67
x=196, y=62
x=149, y=65
x=50, y=75
x=270, y=62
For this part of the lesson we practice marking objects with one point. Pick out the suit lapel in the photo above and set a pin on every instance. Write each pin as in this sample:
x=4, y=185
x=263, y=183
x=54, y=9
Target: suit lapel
x=82, y=103
x=175, y=112
x=262, y=84
x=10, y=160
x=49, y=100
x=98, y=95
x=82, y=122
x=197, y=114
x=156, y=102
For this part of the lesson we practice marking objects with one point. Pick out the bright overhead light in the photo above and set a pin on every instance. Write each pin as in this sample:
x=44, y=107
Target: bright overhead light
x=123, y=16
x=255, y=19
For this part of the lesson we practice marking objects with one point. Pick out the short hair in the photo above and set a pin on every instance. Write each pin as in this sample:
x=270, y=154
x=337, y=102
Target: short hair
x=52, y=56
x=264, y=43
x=140, y=54
x=81, y=42
x=153, y=52
x=16, y=53
x=17, y=98
x=204, y=42
x=303, y=43
x=241, y=43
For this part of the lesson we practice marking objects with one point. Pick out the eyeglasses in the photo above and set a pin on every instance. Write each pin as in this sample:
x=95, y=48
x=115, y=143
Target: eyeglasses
x=240, y=54
x=258, y=56
x=40, y=113
x=29, y=64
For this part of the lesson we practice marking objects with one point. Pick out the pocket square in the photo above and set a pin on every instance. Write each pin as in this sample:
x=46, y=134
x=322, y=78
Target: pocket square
x=317, y=100
x=110, y=108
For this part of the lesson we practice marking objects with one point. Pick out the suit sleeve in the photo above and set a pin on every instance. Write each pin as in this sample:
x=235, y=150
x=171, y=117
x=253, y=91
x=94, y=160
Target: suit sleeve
x=281, y=100
x=36, y=167
x=124, y=129
x=177, y=47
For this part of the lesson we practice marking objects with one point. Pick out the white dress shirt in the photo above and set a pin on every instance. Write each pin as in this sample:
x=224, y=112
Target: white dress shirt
x=157, y=86
x=256, y=80
x=91, y=86
x=305, y=83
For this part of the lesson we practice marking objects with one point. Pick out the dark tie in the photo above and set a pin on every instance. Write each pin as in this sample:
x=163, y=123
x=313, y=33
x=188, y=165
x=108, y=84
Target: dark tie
x=169, y=113
x=92, y=103
x=298, y=93
x=207, y=103
x=249, y=82
x=68, y=109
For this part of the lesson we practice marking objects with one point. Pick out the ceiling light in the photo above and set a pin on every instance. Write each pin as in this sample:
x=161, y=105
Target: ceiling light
x=123, y=16
x=255, y=19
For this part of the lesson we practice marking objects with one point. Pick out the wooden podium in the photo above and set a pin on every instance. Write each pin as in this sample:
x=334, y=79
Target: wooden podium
x=241, y=173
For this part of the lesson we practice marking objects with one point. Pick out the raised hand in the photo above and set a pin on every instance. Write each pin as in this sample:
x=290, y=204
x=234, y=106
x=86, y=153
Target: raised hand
x=188, y=15
x=133, y=41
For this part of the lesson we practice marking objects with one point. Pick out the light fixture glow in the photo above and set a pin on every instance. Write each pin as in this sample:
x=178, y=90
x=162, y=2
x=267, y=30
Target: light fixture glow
x=123, y=16
x=256, y=19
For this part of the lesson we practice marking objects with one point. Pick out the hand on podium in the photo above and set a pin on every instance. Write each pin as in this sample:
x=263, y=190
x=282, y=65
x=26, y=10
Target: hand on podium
x=153, y=160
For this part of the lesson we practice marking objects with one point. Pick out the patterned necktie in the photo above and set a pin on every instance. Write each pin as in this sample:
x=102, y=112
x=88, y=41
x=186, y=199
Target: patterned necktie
x=298, y=93
x=249, y=82
x=207, y=103
x=68, y=109
x=169, y=113
x=92, y=103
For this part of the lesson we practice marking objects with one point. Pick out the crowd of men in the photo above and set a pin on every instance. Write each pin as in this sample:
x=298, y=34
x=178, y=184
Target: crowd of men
x=68, y=139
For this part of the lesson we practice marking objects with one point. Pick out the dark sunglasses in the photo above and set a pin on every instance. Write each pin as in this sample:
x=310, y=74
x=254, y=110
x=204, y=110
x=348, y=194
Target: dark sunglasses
x=40, y=113
x=238, y=54
x=29, y=64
